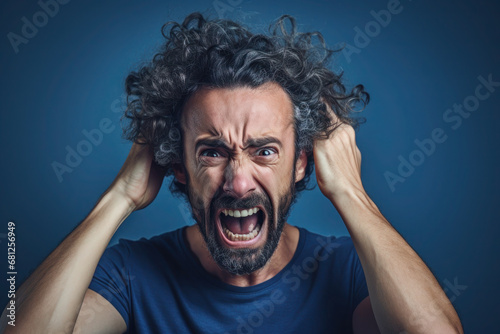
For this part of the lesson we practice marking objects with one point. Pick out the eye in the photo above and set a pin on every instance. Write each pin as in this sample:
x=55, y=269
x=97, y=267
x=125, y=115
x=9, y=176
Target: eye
x=266, y=151
x=211, y=153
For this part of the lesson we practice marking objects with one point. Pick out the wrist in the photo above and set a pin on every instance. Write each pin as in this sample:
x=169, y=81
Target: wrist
x=114, y=203
x=352, y=197
x=117, y=195
x=343, y=194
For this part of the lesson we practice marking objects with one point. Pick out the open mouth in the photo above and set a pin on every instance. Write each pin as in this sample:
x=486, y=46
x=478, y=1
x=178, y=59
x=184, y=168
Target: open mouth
x=242, y=226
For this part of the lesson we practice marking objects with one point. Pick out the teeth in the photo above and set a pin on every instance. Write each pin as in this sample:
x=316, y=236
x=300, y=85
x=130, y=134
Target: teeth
x=240, y=213
x=242, y=237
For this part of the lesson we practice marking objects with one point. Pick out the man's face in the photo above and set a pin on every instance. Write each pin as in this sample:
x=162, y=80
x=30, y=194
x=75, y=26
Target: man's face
x=240, y=171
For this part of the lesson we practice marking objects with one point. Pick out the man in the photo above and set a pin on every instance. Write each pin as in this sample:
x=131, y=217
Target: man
x=239, y=120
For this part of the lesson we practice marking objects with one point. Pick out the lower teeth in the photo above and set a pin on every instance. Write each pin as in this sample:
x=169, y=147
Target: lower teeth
x=241, y=237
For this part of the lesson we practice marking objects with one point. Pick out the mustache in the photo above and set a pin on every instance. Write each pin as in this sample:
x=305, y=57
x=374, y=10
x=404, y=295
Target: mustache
x=228, y=201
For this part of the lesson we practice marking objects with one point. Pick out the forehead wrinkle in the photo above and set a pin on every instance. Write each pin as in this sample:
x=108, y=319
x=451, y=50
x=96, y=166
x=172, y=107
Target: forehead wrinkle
x=238, y=128
x=198, y=124
x=194, y=111
x=248, y=138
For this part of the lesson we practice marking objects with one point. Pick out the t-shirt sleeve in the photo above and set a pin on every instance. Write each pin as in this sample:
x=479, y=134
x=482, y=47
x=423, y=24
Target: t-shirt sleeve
x=112, y=278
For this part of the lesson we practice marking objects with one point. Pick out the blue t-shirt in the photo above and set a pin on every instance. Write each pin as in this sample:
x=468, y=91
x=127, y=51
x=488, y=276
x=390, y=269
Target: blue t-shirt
x=158, y=286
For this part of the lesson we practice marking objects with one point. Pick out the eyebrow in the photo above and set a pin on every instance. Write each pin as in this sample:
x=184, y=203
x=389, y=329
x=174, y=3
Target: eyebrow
x=263, y=141
x=210, y=143
x=252, y=142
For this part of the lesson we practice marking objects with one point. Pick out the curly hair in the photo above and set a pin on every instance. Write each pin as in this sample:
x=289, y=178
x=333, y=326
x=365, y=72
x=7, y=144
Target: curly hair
x=223, y=54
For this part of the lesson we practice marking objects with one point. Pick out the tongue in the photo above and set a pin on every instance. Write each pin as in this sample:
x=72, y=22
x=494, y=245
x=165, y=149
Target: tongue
x=240, y=225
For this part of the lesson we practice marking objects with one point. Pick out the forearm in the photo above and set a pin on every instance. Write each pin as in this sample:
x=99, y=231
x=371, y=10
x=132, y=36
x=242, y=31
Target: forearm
x=404, y=293
x=50, y=299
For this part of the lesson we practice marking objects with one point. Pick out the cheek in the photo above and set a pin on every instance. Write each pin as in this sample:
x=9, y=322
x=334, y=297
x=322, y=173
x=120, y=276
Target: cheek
x=205, y=182
x=272, y=182
x=277, y=177
x=277, y=183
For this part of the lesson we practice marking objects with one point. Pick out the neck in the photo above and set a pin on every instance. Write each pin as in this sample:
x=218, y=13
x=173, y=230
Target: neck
x=281, y=257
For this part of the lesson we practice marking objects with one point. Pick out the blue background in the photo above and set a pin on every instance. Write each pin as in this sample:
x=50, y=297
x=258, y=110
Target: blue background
x=70, y=75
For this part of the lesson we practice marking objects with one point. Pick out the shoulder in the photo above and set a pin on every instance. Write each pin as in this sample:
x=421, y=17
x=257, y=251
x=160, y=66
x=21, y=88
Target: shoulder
x=329, y=244
x=159, y=245
x=337, y=260
x=336, y=253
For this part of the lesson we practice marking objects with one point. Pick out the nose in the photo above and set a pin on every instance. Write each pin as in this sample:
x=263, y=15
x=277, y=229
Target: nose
x=238, y=181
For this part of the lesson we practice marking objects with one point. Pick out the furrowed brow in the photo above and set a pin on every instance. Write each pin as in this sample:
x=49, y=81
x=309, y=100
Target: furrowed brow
x=214, y=143
x=259, y=142
x=252, y=142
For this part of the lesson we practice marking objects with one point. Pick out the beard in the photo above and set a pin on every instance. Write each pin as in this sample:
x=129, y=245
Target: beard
x=242, y=261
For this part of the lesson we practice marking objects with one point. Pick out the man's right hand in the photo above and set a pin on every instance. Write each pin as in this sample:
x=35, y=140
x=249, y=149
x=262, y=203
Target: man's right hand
x=140, y=178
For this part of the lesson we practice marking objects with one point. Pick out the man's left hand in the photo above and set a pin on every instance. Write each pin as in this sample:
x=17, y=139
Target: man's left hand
x=338, y=162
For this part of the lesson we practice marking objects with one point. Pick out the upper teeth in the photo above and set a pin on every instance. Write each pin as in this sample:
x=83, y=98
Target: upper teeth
x=240, y=213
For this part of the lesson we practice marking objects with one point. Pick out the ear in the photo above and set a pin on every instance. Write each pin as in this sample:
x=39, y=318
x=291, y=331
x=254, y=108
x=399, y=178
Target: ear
x=300, y=166
x=180, y=173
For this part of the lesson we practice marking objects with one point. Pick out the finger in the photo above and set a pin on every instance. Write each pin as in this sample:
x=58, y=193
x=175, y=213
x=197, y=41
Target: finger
x=330, y=111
